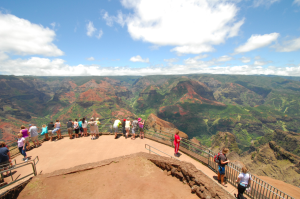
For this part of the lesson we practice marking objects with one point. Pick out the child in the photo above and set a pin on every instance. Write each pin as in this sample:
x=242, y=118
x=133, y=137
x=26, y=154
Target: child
x=21, y=146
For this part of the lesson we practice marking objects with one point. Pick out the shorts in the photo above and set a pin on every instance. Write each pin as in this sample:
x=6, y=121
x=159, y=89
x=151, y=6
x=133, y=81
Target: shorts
x=81, y=129
x=76, y=131
x=27, y=139
x=133, y=130
x=127, y=128
x=50, y=132
x=141, y=129
x=116, y=129
x=35, y=138
x=70, y=130
x=222, y=170
x=4, y=164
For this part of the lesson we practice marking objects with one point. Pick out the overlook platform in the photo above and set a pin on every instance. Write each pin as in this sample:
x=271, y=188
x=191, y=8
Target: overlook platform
x=66, y=153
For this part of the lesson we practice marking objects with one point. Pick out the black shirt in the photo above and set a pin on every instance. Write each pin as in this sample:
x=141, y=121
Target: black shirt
x=50, y=126
x=123, y=123
x=3, y=154
x=69, y=124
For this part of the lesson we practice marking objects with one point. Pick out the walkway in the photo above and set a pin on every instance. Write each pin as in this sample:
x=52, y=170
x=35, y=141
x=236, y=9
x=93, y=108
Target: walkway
x=67, y=153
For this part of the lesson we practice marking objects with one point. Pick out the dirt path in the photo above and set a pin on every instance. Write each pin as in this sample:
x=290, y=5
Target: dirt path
x=134, y=178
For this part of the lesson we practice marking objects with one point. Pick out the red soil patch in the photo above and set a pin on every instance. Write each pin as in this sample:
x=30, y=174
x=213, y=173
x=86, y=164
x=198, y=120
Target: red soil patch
x=133, y=178
x=72, y=84
x=122, y=113
x=91, y=95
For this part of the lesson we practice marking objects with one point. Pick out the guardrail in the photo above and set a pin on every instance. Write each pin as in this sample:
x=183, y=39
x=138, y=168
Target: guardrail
x=149, y=149
x=33, y=163
x=259, y=188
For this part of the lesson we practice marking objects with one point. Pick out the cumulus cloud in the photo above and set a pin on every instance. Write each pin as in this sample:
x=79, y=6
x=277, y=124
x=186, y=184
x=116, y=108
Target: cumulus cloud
x=245, y=59
x=110, y=20
x=224, y=58
x=99, y=34
x=182, y=24
x=288, y=46
x=91, y=59
x=138, y=58
x=297, y=2
x=260, y=63
x=54, y=67
x=20, y=36
x=257, y=41
x=90, y=29
x=257, y=3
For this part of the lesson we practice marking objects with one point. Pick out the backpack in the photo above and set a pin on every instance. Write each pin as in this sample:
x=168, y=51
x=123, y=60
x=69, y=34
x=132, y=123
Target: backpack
x=217, y=158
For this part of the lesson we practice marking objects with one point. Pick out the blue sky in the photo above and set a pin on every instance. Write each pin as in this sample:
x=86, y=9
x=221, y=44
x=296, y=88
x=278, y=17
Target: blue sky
x=148, y=37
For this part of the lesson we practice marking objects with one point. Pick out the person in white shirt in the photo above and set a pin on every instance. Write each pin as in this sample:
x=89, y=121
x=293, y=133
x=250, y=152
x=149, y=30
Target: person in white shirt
x=244, y=180
x=21, y=146
x=116, y=125
x=33, y=133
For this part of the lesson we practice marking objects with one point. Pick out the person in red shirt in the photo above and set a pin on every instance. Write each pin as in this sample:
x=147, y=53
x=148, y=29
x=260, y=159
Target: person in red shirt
x=176, y=143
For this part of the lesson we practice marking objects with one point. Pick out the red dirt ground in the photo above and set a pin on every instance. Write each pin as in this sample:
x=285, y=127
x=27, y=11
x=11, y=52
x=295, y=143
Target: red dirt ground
x=134, y=178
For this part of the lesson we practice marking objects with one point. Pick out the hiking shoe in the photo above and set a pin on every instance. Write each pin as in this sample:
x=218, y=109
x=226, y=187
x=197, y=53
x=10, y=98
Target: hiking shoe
x=26, y=159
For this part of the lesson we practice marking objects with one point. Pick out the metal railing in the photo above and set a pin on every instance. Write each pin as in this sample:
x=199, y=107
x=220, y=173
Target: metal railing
x=259, y=188
x=151, y=147
x=33, y=163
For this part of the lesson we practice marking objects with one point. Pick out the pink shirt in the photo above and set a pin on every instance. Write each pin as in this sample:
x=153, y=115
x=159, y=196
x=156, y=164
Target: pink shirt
x=25, y=133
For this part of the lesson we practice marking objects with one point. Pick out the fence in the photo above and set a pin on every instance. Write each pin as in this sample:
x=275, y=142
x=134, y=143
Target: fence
x=259, y=188
x=15, y=166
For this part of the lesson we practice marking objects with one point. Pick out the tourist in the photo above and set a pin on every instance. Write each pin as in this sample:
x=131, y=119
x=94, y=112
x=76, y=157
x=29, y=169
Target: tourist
x=21, y=146
x=223, y=162
x=4, y=145
x=50, y=129
x=127, y=127
x=25, y=136
x=116, y=125
x=76, y=128
x=134, y=128
x=176, y=143
x=33, y=133
x=123, y=128
x=93, y=128
x=141, y=127
x=57, y=129
x=70, y=128
x=80, y=127
x=98, y=124
x=243, y=180
x=84, y=126
x=45, y=132
x=4, y=162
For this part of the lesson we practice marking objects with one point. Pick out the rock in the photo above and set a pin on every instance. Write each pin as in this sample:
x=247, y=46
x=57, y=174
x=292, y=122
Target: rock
x=201, y=188
x=179, y=175
x=194, y=188
x=199, y=193
x=173, y=171
x=169, y=173
x=166, y=172
x=191, y=183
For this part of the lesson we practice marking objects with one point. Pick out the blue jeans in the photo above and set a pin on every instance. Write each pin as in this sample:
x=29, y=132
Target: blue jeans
x=23, y=152
x=222, y=170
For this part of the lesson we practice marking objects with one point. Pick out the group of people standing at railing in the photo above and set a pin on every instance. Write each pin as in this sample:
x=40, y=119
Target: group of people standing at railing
x=136, y=125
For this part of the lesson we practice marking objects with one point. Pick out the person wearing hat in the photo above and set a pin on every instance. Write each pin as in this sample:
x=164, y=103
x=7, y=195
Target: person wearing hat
x=123, y=128
x=116, y=125
x=127, y=126
x=33, y=133
x=93, y=128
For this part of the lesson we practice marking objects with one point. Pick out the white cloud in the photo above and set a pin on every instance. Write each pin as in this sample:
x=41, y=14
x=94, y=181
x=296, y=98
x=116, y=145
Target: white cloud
x=171, y=60
x=224, y=58
x=53, y=24
x=183, y=24
x=260, y=63
x=257, y=3
x=138, y=58
x=90, y=29
x=100, y=34
x=20, y=36
x=245, y=59
x=288, y=46
x=257, y=41
x=111, y=19
x=47, y=67
x=91, y=58
x=297, y=2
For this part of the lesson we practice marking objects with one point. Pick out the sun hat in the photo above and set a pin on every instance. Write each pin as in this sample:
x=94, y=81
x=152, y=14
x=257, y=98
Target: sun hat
x=139, y=119
x=30, y=125
x=124, y=120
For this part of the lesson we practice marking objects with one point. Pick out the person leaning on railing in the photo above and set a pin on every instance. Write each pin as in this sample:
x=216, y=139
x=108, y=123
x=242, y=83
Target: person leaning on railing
x=244, y=181
x=223, y=162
